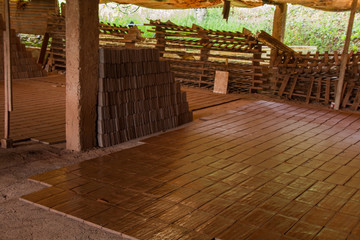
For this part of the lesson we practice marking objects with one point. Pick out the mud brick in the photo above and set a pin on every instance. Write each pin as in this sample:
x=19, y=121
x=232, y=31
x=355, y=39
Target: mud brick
x=104, y=70
x=100, y=140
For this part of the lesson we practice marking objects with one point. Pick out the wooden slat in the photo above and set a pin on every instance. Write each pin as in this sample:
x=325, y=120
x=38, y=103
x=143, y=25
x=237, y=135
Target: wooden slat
x=318, y=92
x=327, y=90
x=356, y=102
x=310, y=90
x=274, y=43
x=348, y=94
x=283, y=85
x=292, y=87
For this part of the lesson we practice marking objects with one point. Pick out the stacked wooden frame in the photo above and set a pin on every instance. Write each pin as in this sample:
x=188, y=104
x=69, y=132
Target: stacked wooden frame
x=110, y=35
x=195, y=54
x=314, y=77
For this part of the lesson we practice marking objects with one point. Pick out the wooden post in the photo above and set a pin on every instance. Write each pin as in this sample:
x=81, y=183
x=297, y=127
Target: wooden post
x=345, y=56
x=160, y=40
x=203, y=53
x=204, y=49
x=279, y=22
x=256, y=69
x=226, y=9
x=57, y=7
x=6, y=142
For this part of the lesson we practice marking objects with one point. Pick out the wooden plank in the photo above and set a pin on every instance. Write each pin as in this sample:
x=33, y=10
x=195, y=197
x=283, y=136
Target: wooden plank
x=221, y=82
x=336, y=58
x=318, y=92
x=43, y=49
x=356, y=103
x=292, y=87
x=255, y=79
x=283, y=85
x=274, y=43
x=326, y=57
x=310, y=90
x=327, y=90
x=355, y=64
x=348, y=94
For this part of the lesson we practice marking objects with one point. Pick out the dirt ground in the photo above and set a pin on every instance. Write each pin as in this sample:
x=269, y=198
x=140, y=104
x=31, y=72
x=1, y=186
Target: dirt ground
x=20, y=220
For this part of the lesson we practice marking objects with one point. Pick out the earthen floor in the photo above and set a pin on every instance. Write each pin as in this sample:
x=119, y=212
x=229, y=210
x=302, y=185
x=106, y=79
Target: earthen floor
x=260, y=171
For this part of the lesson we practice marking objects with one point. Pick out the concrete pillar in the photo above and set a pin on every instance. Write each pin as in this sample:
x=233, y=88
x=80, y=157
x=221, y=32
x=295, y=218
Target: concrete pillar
x=82, y=56
x=279, y=22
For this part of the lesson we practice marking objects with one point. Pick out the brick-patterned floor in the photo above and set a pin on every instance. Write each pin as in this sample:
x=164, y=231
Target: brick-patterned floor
x=261, y=171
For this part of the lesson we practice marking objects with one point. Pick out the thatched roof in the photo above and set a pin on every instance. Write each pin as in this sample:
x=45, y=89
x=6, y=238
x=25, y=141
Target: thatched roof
x=327, y=5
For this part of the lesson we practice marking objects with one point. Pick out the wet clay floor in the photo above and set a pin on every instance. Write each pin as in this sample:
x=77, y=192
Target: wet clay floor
x=261, y=171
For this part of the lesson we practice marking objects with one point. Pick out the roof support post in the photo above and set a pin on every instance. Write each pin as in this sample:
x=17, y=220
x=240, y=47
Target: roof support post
x=7, y=142
x=279, y=22
x=82, y=66
x=278, y=31
x=344, y=57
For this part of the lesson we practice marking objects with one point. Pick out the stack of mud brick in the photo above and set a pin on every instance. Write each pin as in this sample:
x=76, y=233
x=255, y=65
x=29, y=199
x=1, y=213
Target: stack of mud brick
x=137, y=96
x=23, y=64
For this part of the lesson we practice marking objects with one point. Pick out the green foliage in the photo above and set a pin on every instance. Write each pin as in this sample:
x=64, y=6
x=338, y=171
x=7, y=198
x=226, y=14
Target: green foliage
x=31, y=40
x=305, y=26
x=239, y=18
x=310, y=27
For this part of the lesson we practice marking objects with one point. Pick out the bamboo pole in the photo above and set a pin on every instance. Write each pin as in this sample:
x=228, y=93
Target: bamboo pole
x=345, y=56
x=7, y=142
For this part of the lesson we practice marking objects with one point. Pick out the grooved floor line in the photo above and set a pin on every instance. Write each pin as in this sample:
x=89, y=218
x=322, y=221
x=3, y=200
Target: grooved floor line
x=261, y=171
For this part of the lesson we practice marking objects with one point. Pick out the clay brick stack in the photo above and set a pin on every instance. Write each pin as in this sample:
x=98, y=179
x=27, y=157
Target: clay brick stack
x=23, y=64
x=137, y=96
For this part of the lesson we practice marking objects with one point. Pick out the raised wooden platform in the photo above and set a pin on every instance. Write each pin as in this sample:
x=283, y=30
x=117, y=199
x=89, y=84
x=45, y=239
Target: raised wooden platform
x=39, y=107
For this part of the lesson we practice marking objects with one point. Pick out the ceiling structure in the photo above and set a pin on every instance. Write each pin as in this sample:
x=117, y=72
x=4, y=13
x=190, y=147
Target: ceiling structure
x=326, y=5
